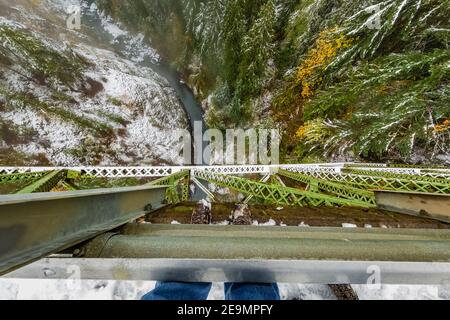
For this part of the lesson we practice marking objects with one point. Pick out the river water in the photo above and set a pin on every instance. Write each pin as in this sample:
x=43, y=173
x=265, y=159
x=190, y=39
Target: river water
x=121, y=41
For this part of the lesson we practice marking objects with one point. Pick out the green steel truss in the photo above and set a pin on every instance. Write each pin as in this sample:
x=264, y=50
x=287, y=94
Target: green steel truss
x=393, y=175
x=401, y=166
x=276, y=194
x=325, y=187
x=338, y=189
x=178, y=186
x=382, y=183
x=19, y=177
x=46, y=183
x=69, y=186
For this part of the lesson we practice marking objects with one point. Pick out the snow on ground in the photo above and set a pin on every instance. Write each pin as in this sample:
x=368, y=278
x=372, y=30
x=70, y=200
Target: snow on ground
x=303, y=225
x=136, y=48
x=137, y=104
x=68, y=290
x=270, y=223
x=223, y=223
x=349, y=225
x=134, y=290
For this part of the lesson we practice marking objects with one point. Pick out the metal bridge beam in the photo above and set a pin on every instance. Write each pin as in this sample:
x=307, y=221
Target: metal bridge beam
x=35, y=225
x=163, y=171
x=18, y=177
x=338, y=189
x=395, y=175
x=178, y=190
x=272, y=243
x=377, y=183
x=434, y=206
x=274, y=193
x=253, y=271
x=258, y=254
x=46, y=183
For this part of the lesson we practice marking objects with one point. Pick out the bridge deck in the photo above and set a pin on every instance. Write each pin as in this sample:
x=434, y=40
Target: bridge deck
x=293, y=216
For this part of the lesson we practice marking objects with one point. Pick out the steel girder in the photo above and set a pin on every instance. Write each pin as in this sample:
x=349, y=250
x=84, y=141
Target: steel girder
x=272, y=243
x=275, y=193
x=35, y=225
x=178, y=190
x=69, y=186
x=434, y=206
x=422, y=171
x=46, y=183
x=253, y=271
x=18, y=177
x=380, y=183
x=393, y=175
x=340, y=190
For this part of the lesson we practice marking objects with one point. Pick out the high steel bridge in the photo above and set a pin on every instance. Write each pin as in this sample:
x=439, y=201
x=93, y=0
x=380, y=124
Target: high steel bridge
x=48, y=225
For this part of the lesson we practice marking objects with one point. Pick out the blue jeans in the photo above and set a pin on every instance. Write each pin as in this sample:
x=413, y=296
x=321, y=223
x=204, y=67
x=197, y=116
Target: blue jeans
x=200, y=291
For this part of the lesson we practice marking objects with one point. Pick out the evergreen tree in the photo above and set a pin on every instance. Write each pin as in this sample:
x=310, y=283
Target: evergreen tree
x=234, y=28
x=257, y=49
x=208, y=28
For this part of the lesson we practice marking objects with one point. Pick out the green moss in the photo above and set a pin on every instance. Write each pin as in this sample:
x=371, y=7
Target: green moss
x=97, y=183
x=12, y=157
x=113, y=118
x=115, y=101
x=39, y=59
x=61, y=96
x=22, y=99
x=77, y=153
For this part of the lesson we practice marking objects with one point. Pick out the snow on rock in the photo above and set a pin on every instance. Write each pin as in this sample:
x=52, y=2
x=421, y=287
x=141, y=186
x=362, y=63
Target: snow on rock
x=303, y=225
x=223, y=223
x=270, y=223
x=139, y=107
x=349, y=225
x=206, y=204
x=216, y=189
x=305, y=292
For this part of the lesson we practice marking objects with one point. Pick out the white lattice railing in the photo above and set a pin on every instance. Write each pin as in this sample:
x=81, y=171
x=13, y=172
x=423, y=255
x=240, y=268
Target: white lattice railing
x=143, y=172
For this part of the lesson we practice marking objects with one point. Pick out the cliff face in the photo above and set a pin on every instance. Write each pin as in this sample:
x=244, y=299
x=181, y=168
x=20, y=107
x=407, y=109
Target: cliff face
x=68, y=98
x=355, y=80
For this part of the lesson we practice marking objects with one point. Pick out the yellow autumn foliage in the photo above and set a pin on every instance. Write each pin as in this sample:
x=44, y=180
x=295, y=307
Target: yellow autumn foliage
x=313, y=131
x=326, y=48
x=445, y=126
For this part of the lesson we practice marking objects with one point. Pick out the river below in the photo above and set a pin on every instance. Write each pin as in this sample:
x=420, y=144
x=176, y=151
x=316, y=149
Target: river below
x=111, y=36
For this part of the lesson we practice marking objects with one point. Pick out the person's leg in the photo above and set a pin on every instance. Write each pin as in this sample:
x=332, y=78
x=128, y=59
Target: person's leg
x=251, y=291
x=179, y=291
x=248, y=291
x=183, y=290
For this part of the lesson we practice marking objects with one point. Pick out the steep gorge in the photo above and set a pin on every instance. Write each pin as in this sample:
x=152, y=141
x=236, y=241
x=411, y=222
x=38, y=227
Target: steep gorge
x=81, y=97
x=345, y=80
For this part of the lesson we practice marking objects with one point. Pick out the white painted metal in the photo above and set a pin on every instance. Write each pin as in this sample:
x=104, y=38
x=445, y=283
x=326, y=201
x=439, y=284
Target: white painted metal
x=436, y=173
x=203, y=188
x=282, y=271
x=163, y=171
